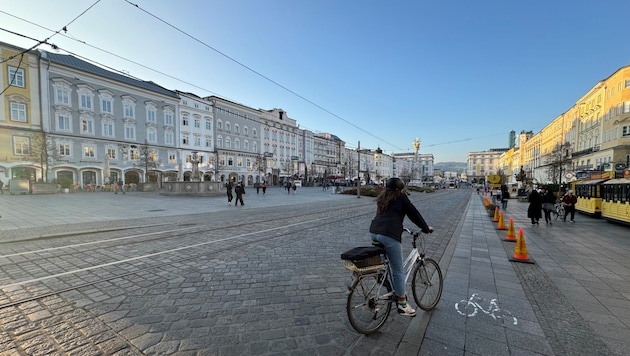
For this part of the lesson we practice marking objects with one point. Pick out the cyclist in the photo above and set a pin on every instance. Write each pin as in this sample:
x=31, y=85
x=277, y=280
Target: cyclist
x=392, y=205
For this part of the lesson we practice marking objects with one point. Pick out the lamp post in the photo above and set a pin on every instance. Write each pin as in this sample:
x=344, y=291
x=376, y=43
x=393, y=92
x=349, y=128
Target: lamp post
x=359, y=170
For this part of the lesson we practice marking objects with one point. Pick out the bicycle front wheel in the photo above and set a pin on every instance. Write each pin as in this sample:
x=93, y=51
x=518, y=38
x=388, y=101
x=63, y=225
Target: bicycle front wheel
x=369, y=303
x=427, y=284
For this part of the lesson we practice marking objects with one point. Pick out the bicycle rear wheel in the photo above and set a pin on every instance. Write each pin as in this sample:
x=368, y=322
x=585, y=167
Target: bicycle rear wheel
x=427, y=284
x=369, y=303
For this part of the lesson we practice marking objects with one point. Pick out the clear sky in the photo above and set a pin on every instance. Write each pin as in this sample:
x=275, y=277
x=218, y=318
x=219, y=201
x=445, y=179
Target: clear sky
x=457, y=74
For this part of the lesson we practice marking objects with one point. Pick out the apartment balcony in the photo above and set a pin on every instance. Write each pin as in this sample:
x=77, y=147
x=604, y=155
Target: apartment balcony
x=586, y=151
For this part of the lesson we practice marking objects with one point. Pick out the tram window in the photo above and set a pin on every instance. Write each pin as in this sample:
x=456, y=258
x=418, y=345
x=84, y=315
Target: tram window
x=616, y=192
x=625, y=196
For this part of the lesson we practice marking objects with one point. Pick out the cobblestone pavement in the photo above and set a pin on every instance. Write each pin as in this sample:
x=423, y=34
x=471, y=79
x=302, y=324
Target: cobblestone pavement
x=100, y=274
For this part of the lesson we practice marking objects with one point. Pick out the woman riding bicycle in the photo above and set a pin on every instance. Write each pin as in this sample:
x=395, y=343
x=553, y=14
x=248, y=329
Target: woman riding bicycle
x=387, y=227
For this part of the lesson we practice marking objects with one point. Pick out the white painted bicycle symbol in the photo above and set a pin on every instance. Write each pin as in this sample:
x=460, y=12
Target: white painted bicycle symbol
x=471, y=306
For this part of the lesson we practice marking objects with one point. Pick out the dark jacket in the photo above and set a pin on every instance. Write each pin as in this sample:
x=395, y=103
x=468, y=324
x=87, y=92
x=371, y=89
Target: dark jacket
x=549, y=198
x=534, y=211
x=390, y=223
x=569, y=200
x=239, y=190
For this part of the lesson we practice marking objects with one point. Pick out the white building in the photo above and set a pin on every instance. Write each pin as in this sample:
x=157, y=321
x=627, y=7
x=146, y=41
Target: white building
x=196, y=135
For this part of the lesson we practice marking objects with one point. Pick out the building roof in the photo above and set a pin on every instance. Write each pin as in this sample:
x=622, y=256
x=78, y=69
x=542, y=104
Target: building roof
x=79, y=64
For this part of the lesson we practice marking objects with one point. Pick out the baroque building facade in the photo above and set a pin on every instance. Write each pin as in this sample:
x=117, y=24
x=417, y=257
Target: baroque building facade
x=21, y=136
x=105, y=125
x=65, y=118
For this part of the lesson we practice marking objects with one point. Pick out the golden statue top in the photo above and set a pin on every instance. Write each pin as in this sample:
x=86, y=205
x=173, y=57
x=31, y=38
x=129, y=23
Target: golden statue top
x=416, y=144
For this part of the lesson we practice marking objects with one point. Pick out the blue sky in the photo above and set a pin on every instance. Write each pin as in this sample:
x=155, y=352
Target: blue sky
x=459, y=74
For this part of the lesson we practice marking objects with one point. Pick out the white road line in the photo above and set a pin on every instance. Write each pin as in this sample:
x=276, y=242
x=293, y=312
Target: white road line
x=93, y=242
x=150, y=255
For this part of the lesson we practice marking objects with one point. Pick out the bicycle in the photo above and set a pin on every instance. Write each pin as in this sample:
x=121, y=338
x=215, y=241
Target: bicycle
x=370, y=299
x=558, y=211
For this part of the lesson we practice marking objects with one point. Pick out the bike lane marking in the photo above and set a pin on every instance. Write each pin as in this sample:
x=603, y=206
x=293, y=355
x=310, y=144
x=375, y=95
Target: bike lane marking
x=471, y=306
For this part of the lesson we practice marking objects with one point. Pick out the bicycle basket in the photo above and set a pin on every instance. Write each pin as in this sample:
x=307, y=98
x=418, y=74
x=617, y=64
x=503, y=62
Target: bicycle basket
x=363, y=259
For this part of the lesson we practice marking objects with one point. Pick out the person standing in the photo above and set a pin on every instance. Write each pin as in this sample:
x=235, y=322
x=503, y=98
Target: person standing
x=569, y=202
x=534, y=211
x=239, y=190
x=293, y=186
x=287, y=186
x=257, y=188
x=1, y=186
x=392, y=205
x=228, y=188
x=548, y=204
x=264, y=187
x=120, y=186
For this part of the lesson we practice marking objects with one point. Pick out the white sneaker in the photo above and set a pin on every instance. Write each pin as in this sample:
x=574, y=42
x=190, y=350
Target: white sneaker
x=405, y=309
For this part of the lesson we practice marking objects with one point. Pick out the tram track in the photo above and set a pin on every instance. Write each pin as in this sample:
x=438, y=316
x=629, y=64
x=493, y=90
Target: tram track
x=159, y=256
x=289, y=228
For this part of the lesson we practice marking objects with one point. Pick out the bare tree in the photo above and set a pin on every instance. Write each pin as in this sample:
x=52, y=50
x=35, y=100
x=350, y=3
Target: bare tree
x=405, y=174
x=558, y=162
x=44, y=151
x=147, y=159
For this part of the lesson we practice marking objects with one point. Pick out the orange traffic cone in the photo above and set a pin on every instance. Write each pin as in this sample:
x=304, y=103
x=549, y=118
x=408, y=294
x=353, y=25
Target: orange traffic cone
x=520, y=250
x=511, y=235
x=501, y=225
x=486, y=201
x=496, y=214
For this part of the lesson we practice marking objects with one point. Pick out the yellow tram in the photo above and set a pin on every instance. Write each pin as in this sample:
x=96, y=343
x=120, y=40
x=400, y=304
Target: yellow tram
x=589, y=195
x=616, y=200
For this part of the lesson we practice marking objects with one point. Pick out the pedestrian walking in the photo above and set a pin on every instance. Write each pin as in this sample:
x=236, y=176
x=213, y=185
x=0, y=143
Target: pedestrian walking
x=228, y=189
x=120, y=186
x=239, y=190
x=504, y=198
x=294, y=187
x=534, y=210
x=257, y=188
x=287, y=186
x=569, y=202
x=548, y=204
x=264, y=187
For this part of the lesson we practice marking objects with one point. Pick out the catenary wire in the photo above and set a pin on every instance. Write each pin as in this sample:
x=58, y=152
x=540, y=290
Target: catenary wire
x=180, y=80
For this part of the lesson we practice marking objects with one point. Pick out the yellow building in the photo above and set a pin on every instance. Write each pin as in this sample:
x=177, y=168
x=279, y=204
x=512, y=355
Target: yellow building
x=20, y=121
x=593, y=135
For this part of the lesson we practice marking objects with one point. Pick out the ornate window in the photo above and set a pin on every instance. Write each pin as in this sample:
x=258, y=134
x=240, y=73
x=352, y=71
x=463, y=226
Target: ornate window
x=16, y=77
x=18, y=112
x=21, y=145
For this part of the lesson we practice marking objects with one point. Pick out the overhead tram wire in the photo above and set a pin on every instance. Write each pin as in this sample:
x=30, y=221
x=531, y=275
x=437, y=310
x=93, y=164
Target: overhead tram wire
x=39, y=43
x=173, y=77
x=120, y=57
x=258, y=73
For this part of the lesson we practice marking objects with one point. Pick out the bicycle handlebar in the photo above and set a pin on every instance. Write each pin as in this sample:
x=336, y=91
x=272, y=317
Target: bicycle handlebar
x=416, y=233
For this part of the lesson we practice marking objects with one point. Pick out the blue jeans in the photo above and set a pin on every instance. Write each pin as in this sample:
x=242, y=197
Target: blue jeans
x=393, y=250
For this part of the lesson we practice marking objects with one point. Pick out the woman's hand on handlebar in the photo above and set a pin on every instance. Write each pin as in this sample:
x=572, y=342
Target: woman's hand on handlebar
x=430, y=230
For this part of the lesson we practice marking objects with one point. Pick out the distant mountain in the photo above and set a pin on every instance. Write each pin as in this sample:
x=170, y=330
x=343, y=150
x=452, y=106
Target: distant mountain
x=450, y=166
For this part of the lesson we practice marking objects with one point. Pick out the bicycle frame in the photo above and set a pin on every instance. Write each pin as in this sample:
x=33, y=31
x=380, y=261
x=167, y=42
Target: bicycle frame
x=408, y=264
x=371, y=294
